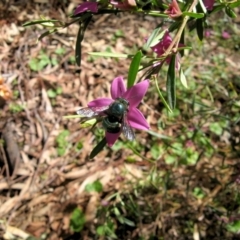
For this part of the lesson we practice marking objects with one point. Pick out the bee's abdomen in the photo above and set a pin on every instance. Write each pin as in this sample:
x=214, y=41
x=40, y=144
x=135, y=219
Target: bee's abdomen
x=111, y=124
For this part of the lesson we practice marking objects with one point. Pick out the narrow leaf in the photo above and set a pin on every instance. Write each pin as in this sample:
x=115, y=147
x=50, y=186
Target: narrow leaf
x=183, y=79
x=234, y=4
x=108, y=54
x=161, y=96
x=152, y=37
x=184, y=48
x=199, y=28
x=203, y=6
x=193, y=15
x=182, y=41
x=174, y=26
x=71, y=116
x=217, y=8
x=98, y=148
x=48, y=32
x=133, y=70
x=43, y=22
x=81, y=31
x=78, y=47
x=171, y=83
x=230, y=12
x=88, y=123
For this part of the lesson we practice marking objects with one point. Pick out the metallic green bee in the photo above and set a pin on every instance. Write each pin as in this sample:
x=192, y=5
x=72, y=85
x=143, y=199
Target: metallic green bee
x=114, y=117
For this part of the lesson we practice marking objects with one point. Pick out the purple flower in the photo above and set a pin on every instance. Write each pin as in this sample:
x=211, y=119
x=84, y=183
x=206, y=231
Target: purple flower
x=133, y=95
x=208, y=4
x=161, y=47
x=207, y=33
x=86, y=6
x=226, y=35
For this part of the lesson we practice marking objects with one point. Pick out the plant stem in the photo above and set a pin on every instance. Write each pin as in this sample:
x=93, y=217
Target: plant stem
x=177, y=37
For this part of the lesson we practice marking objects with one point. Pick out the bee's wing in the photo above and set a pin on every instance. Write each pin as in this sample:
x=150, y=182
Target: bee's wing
x=127, y=129
x=91, y=112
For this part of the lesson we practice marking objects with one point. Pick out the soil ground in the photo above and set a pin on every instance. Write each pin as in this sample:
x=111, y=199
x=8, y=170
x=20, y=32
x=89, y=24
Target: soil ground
x=43, y=176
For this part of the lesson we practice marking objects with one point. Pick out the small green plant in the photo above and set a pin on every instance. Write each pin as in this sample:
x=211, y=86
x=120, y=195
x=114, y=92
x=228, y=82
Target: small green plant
x=198, y=192
x=79, y=146
x=16, y=108
x=41, y=61
x=94, y=187
x=234, y=227
x=62, y=142
x=15, y=94
x=52, y=93
x=60, y=51
x=77, y=220
x=107, y=230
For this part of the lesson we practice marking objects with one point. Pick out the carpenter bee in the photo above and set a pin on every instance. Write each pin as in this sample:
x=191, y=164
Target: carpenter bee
x=114, y=117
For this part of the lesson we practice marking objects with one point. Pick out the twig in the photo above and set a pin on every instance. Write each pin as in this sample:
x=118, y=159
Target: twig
x=179, y=32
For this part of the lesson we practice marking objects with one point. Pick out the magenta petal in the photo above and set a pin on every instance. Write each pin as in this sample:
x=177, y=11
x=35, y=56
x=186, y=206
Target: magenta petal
x=136, y=93
x=118, y=88
x=86, y=6
x=100, y=102
x=208, y=4
x=137, y=120
x=112, y=137
x=162, y=46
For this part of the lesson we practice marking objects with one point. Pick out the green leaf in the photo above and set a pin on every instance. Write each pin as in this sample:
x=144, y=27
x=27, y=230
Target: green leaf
x=109, y=54
x=54, y=61
x=101, y=230
x=51, y=93
x=160, y=136
x=199, y=28
x=59, y=90
x=184, y=48
x=78, y=48
x=77, y=220
x=234, y=4
x=216, y=128
x=170, y=159
x=154, y=37
x=34, y=64
x=72, y=116
x=174, y=25
x=79, y=146
x=202, y=6
x=161, y=96
x=193, y=15
x=230, y=12
x=128, y=222
x=60, y=51
x=48, y=23
x=94, y=187
x=61, y=151
x=80, y=36
x=183, y=78
x=198, y=192
x=88, y=123
x=234, y=227
x=133, y=70
x=218, y=8
x=48, y=32
x=156, y=151
x=98, y=148
x=171, y=83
